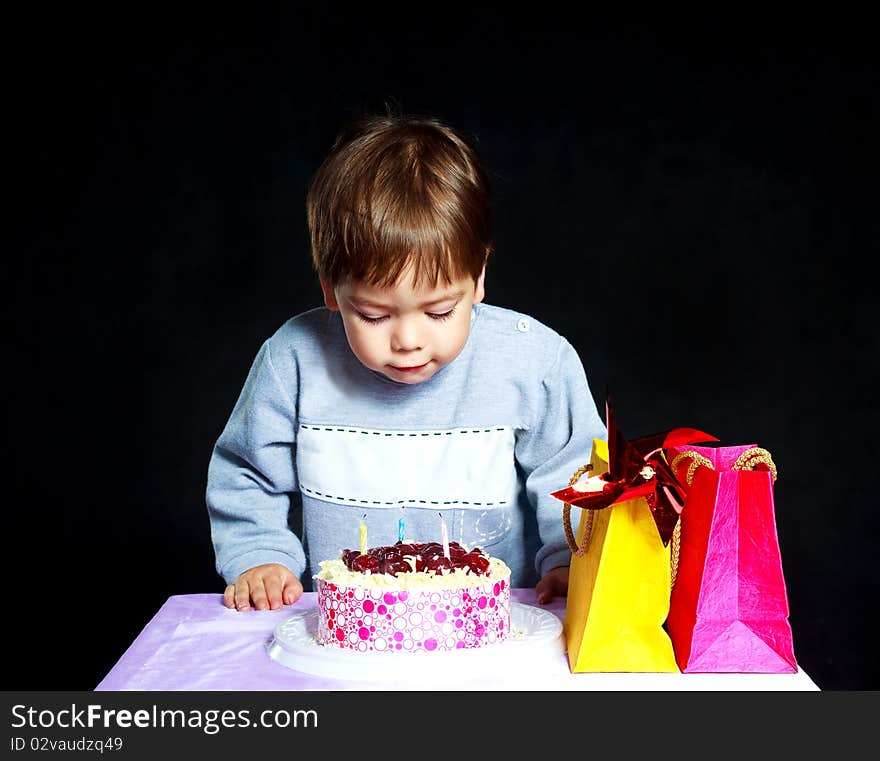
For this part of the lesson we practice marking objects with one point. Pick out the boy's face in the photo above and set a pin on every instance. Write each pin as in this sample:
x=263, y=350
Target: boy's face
x=403, y=332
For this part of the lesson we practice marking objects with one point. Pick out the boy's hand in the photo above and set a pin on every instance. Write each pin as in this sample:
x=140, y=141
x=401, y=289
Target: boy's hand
x=554, y=583
x=269, y=586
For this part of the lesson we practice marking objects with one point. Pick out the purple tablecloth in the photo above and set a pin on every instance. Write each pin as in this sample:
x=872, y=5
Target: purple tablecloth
x=195, y=643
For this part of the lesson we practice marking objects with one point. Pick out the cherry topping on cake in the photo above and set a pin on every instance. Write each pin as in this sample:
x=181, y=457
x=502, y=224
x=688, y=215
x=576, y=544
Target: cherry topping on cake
x=456, y=550
x=474, y=560
x=392, y=555
x=439, y=564
x=395, y=567
x=364, y=563
x=429, y=549
x=428, y=556
x=348, y=556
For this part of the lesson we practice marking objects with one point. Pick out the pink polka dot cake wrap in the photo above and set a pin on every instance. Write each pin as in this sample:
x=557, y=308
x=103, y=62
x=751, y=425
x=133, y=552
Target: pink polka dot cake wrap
x=451, y=608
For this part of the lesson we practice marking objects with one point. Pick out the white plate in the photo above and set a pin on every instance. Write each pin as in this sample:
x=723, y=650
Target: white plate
x=535, y=634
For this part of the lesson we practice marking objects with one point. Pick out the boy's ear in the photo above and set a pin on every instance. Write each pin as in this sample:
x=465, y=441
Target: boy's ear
x=480, y=288
x=329, y=297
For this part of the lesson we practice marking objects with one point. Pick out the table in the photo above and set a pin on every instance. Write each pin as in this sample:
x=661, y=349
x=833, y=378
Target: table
x=195, y=643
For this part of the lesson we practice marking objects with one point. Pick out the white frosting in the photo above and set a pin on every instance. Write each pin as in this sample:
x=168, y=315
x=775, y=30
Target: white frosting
x=455, y=578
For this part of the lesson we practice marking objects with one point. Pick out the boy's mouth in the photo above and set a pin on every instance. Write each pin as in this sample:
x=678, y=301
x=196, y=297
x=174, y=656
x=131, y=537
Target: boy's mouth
x=411, y=369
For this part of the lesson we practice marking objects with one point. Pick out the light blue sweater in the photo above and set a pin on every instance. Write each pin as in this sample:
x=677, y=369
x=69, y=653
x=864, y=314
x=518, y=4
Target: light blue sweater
x=483, y=443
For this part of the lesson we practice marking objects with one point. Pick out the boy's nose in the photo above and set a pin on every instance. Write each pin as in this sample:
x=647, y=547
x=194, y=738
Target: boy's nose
x=406, y=337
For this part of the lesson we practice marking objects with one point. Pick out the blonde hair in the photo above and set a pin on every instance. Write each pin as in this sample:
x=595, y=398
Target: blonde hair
x=396, y=192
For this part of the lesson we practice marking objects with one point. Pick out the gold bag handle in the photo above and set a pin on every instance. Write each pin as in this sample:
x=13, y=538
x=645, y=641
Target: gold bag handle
x=696, y=461
x=566, y=517
x=580, y=550
x=755, y=456
x=746, y=461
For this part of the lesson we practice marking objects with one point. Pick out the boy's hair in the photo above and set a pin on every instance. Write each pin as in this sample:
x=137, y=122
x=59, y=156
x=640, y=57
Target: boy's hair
x=398, y=191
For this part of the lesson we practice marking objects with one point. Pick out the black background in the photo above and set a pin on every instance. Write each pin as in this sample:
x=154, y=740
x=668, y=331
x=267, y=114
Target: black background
x=692, y=203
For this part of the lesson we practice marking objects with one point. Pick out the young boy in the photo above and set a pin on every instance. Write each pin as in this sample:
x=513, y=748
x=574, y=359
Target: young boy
x=406, y=396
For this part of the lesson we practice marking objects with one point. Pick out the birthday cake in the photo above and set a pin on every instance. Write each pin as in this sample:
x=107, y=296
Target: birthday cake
x=412, y=597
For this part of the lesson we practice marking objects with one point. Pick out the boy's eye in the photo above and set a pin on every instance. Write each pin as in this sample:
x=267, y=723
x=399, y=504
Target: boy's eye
x=441, y=315
x=371, y=320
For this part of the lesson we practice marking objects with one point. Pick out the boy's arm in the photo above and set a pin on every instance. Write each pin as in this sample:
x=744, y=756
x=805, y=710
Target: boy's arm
x=559, y=441
x=251, y=475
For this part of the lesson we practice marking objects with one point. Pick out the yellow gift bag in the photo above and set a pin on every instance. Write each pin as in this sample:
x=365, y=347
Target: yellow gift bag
x=619, y=586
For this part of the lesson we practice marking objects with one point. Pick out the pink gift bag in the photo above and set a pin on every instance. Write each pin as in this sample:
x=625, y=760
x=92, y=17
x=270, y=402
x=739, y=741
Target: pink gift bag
x=729, y=609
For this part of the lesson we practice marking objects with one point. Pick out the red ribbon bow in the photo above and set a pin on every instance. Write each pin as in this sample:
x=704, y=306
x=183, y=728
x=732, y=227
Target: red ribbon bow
x=639, y=468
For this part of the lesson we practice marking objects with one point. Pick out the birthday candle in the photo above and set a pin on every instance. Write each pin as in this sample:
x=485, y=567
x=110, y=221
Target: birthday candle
x=444, y=536
x=400, y=530
x=363, y=536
